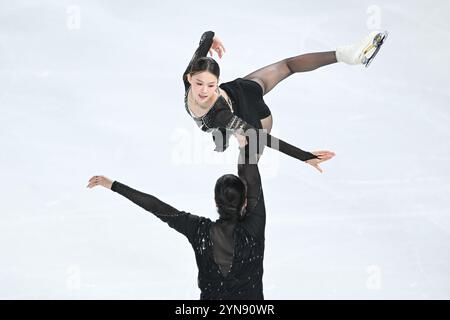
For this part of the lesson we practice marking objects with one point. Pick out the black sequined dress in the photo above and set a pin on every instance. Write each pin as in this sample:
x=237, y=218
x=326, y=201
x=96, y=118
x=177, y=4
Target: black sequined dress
x=248, y=109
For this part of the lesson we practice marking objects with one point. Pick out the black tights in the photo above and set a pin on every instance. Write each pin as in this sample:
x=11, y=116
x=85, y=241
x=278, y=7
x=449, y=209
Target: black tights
x=269, y=76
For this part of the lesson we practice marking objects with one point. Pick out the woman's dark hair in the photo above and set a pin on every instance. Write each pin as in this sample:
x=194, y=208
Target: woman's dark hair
x=205, y=64
x=230, y=193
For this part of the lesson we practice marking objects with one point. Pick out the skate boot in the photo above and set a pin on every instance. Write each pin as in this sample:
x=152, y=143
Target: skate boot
x=363, y=52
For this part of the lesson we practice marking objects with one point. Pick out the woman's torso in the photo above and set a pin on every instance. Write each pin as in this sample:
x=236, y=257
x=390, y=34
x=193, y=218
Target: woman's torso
x=199, y=111
x=244, y=98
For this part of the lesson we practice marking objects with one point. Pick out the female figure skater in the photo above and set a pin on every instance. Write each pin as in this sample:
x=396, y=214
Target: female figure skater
x=230, y=251
x=238, y=105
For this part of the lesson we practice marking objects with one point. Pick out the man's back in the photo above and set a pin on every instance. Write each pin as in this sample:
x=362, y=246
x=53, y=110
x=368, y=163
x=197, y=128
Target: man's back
x=229, y=255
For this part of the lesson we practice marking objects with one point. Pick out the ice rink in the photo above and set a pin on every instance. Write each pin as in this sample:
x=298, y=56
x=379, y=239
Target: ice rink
x=95, y=88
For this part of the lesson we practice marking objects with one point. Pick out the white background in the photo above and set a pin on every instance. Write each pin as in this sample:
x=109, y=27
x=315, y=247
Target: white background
x=95, y=87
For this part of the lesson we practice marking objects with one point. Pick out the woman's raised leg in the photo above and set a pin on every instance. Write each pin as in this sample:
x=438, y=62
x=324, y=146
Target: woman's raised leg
x=269, y=76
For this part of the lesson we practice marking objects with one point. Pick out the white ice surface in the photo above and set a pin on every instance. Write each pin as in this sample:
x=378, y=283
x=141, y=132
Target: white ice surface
x=94, y=87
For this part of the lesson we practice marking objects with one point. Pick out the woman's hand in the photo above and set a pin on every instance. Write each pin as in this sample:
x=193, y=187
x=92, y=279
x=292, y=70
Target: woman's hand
x=241, y=139
x=323, y=156
x=100, y=181
x=217, y=46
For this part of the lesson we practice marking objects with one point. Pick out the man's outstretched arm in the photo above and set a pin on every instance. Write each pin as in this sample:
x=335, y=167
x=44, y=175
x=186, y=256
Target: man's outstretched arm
x=248, y=171
x=181, y=221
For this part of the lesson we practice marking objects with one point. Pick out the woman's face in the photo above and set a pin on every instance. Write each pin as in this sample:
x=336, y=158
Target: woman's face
x=203, y=85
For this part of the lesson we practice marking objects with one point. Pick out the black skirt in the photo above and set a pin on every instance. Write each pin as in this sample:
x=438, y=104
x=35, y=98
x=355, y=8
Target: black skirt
x=247, y=100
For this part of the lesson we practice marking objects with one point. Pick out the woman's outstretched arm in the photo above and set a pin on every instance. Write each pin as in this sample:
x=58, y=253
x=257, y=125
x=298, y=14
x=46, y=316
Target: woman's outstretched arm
x=258, y=138
x=181, y=221
x=204, y=45
x=208, y=42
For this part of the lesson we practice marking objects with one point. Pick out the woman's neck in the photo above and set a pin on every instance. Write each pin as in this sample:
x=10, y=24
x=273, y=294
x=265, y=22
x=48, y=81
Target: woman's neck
x=207, y=104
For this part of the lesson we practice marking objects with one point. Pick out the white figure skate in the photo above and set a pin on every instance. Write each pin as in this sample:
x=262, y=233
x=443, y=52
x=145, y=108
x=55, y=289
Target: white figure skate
x=363, y=52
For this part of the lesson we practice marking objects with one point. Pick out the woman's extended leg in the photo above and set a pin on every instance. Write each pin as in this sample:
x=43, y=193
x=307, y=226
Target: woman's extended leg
x=269, y=76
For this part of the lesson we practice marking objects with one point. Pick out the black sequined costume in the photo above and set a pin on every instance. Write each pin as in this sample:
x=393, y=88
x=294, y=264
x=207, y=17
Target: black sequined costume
x=229, y=254
x=248, y=110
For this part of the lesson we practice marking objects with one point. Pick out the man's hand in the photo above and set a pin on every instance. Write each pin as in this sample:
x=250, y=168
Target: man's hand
x=100, y=181
x=323, y=156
